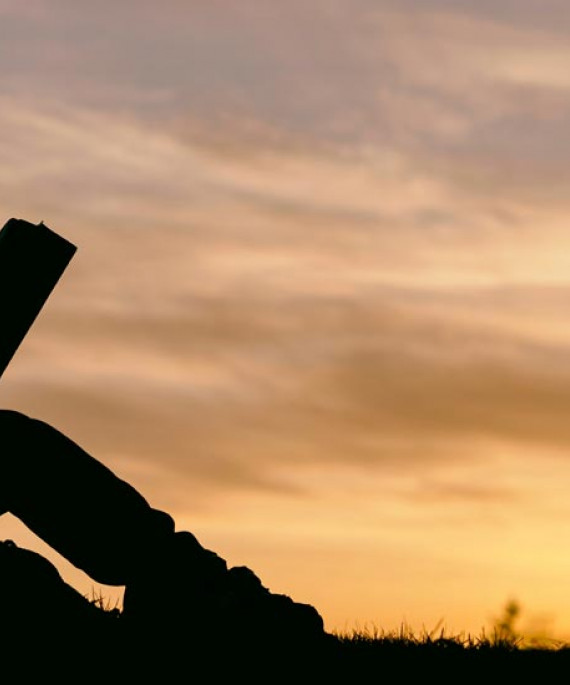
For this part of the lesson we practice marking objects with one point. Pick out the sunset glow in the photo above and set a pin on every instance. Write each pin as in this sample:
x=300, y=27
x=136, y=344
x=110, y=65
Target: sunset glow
x=319, y=310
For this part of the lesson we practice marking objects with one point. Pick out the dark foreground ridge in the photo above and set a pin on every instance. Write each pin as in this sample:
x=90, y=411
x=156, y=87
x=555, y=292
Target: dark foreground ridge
x=240, y=628
x=49, y=629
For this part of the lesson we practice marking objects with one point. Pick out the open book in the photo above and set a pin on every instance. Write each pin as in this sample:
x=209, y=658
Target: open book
x=32, y=259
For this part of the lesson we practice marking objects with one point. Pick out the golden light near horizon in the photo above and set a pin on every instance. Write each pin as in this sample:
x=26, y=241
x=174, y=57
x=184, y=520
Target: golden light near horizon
x=319, y=308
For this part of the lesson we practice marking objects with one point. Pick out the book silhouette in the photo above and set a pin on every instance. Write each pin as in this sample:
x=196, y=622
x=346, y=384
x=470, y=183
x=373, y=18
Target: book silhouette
x=32, y=260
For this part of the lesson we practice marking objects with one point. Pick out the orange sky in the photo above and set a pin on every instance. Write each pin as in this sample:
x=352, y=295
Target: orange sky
x=319, y=310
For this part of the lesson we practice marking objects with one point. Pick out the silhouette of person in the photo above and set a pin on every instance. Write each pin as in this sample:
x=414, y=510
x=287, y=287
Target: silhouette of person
x=103, y=526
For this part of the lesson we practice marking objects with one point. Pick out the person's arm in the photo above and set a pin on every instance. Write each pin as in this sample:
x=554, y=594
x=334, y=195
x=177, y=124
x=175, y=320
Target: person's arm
x=78, y=506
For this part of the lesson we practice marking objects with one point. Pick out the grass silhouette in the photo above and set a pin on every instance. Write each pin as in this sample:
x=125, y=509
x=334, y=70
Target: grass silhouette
x=367, y=654
x=109, y=652
x=109, y=648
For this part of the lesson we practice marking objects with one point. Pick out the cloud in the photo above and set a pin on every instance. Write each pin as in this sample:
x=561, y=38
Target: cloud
x=257, y=291
x=319, y=306
x=238, y=396
x=235, y=315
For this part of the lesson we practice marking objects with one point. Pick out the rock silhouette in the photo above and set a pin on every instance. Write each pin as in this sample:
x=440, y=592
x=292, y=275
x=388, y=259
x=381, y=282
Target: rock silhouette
x=174, y=587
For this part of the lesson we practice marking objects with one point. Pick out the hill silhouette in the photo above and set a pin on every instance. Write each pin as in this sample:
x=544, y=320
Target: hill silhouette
x=49, y=630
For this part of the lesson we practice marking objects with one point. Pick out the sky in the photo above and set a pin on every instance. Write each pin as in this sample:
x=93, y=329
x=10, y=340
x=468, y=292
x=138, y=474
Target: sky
x=319, y=307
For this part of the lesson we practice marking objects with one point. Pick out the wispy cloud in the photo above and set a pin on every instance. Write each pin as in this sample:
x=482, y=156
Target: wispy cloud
x=303, y=324
x=323, y=259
